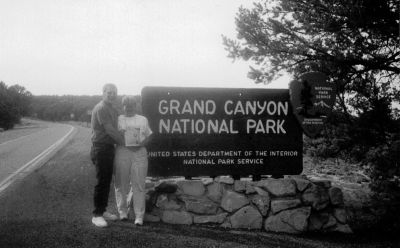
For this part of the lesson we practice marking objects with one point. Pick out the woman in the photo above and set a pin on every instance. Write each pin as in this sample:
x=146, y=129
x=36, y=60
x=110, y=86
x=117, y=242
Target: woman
x=131, y=161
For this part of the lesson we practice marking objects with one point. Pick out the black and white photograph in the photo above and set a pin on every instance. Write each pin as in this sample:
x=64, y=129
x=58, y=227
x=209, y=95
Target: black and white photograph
x=200, y=123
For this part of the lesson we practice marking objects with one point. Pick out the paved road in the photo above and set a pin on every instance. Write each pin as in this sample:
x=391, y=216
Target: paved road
x=25, y=127
x=21, y=155
x=52, y=207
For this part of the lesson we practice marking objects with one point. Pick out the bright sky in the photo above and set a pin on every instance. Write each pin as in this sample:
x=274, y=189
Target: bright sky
x=75, y=46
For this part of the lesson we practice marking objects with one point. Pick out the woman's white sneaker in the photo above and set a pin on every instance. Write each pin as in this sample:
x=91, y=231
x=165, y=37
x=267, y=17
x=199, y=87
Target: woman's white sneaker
x=99, y=221
x=139, y=221
x=123, y=216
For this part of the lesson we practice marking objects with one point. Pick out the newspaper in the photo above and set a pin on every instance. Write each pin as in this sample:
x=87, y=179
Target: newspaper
x=132, y=137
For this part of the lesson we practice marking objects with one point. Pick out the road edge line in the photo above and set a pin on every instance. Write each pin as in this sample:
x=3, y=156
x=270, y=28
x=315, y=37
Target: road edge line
x=41, y=158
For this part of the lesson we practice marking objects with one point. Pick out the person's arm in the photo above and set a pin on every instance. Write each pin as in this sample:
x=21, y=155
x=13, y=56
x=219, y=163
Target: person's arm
x=114, y=134
x=148, y=134
x=104, y=119
x=146, y=141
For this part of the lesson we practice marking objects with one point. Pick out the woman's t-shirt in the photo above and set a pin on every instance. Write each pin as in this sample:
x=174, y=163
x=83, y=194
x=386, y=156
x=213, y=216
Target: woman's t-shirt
x=136, y=129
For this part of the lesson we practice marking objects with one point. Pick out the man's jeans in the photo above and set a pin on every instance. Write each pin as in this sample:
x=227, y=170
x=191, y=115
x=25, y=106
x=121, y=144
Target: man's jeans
x=102, y=156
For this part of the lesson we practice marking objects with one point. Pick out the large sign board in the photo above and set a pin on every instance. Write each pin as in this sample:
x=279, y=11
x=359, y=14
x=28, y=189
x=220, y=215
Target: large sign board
x=216, y=131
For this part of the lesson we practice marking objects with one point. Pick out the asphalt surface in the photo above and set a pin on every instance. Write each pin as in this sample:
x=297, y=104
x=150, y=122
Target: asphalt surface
x=19, y=151
x=52, y=207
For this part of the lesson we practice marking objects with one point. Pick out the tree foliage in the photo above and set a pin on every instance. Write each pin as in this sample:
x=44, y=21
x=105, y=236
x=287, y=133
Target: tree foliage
x=64, y=108
x=14, y=103
x=356, y=43
x=67, y=107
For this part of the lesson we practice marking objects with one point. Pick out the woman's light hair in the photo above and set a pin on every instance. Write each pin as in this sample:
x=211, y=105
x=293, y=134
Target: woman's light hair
x=129, y=101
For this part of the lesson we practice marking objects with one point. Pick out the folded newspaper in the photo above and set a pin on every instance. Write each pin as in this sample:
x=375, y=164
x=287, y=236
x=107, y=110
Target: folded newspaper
x=132, y=137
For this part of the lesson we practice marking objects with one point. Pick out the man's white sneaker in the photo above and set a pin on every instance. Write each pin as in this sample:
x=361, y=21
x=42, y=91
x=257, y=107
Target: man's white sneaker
x=99, y=221
x=110, y=216
x=123, y=216
x=139, y=221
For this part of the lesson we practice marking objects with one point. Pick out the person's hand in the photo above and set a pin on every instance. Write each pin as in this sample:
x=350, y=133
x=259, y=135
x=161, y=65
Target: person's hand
x=145, y=142
x=122, y=141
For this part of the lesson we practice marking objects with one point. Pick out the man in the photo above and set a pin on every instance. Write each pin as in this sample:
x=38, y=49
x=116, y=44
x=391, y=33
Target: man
x=104, y=137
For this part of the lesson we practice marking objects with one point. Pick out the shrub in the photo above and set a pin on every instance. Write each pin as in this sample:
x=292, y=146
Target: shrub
x=383, y=164
x=362, y=140
x=14, y=103
x=375, y=145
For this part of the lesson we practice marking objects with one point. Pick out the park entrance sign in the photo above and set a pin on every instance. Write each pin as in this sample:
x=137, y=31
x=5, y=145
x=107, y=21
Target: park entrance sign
x=215, y=131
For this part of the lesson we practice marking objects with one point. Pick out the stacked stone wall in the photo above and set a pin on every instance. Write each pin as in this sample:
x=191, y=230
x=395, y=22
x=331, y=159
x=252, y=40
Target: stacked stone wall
x=290, y=205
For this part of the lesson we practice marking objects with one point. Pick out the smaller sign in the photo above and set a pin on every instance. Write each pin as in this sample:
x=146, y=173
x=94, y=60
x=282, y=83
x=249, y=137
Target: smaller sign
x=312, y=99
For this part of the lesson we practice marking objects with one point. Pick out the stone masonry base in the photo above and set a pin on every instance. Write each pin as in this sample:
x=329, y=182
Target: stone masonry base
x=290, y=205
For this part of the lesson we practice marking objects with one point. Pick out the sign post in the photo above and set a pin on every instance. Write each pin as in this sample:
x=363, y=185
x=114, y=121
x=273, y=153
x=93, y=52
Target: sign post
x=215, y=131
